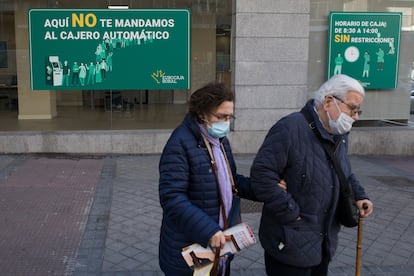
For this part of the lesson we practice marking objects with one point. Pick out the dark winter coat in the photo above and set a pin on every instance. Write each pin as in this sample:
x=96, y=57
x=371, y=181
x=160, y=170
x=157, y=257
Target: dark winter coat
x=189, y=196
x=291, y=151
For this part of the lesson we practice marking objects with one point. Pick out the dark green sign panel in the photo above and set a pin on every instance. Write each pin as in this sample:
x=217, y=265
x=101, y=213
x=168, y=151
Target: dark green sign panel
x=365, y=46
x=102, y=49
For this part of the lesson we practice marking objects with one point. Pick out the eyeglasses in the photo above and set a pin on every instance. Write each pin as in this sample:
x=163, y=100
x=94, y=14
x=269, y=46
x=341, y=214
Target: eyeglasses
x=354, y=109
x=223, y=117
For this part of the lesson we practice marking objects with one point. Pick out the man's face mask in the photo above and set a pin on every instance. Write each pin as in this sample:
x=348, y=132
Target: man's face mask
x=343, y=124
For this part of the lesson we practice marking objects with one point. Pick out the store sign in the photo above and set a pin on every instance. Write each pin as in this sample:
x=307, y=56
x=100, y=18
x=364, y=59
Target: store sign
x=365, y=46
x=103, y=49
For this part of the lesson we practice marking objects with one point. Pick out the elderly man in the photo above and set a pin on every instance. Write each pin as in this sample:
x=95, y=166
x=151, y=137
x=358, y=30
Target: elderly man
x=300, y=187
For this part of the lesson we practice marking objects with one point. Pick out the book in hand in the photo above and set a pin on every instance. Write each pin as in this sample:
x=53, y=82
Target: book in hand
x=237, y=237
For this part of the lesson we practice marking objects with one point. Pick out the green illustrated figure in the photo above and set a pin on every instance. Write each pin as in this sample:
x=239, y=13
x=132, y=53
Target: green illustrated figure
x=109, y=61
x=66, y=73
x=98, y=52
x=91, y=74
x=391, y=48
x=365, y=72
x=82, y=74
x=338, y=64
x=75, y=73
x=380, y=59
x=104, y=68
x=98, y=75
x=103, y=50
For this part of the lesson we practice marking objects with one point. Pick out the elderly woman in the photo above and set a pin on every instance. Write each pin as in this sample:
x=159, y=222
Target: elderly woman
x=196, y=196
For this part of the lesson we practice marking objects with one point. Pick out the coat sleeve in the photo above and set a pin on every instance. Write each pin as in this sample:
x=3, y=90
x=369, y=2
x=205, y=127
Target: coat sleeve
x=174, y=183
x=359, y=191
x=241, y=182
x=267, y=170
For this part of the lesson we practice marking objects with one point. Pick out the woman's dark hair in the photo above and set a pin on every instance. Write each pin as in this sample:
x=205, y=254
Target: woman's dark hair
x=209, y=97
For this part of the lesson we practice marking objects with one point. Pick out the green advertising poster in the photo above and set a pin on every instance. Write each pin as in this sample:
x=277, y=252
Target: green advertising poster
x=104, y=49
x=365, y=46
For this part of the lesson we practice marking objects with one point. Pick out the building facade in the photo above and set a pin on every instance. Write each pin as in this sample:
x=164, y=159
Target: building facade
x=273, y=53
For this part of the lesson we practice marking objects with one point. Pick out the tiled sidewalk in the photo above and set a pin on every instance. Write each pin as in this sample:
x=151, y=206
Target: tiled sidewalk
x=388, y=249
x=44, y=206
x=50, y=226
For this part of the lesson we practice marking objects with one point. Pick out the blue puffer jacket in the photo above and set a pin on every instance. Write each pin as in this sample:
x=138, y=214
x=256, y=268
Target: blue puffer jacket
x=291, y=151
x=188, y=195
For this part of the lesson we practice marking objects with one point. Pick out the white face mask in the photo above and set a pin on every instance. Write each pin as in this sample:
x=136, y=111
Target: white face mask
x=342, y=125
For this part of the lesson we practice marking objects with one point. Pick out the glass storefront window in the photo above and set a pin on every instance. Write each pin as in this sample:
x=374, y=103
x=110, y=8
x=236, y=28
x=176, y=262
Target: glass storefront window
x=22, y=109
x=380, y=106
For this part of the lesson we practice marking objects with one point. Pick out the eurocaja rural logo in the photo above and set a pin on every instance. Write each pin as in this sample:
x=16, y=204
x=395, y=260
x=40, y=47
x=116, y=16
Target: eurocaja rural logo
x=160, y=77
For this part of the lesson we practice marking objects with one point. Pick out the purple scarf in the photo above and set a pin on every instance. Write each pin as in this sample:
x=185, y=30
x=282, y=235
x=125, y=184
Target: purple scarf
x=222, y=173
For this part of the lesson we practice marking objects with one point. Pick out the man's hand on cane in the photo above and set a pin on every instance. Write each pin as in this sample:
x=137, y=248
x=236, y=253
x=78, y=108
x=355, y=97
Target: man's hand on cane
x=365, y=207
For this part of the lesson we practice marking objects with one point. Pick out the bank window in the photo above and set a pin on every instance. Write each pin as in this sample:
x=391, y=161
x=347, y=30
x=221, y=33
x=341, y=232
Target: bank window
x=116, y=109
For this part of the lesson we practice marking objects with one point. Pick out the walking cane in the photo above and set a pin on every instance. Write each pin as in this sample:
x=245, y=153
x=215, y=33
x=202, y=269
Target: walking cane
x=359, y=244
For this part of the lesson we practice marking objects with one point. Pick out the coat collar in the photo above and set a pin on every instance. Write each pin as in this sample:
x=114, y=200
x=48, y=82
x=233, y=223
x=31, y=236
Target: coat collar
x=325, y=135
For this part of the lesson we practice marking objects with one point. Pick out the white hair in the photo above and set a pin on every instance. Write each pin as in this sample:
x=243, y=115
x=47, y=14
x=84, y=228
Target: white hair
x=338, y=85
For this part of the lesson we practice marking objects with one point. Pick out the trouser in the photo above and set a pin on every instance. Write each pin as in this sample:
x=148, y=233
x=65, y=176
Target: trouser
x=276, y=268
x=75, y=78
